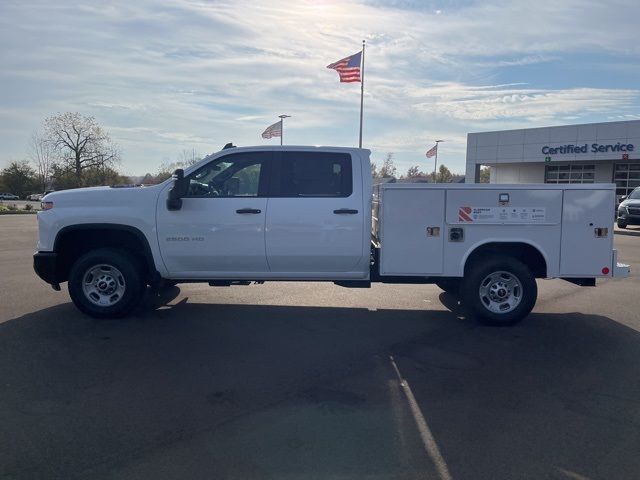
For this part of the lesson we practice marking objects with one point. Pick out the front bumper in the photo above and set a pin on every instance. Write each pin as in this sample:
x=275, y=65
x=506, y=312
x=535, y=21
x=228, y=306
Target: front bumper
x=46, y=265
x=628, y=218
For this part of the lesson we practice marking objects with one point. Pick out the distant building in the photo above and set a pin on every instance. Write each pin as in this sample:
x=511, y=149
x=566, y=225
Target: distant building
x=589, y=153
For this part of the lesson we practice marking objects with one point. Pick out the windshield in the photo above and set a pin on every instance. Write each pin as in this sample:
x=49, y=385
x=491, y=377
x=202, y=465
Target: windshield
x=635, y=195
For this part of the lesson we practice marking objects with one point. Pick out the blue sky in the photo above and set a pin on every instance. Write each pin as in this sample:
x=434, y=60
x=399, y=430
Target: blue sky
x=166, y=76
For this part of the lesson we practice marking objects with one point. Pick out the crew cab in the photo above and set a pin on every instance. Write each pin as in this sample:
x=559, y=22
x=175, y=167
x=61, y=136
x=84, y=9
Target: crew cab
x=311, y=213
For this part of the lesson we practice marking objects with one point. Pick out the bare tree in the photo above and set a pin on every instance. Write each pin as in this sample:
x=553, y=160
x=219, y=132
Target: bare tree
x=188, y=157
x=42, y=155
x=388, y=167
x=80, y=143
x=374, y=170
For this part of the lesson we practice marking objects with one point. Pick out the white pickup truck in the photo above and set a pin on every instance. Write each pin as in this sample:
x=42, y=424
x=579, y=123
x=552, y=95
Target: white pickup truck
x=310, y=213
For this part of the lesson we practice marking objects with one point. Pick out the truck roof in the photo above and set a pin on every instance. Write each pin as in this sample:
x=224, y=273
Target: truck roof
x=293, y=147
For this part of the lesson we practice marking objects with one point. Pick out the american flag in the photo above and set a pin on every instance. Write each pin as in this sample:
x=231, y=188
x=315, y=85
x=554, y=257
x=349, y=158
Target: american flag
x=348, y=68
x=433, y=151
x=274, y=130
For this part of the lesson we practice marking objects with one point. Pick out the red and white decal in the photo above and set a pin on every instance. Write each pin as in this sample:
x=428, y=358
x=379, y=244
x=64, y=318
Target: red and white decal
x=464, y=214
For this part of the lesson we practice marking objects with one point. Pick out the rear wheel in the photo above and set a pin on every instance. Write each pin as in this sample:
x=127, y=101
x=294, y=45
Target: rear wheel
x=106, y=283
x=499, y=290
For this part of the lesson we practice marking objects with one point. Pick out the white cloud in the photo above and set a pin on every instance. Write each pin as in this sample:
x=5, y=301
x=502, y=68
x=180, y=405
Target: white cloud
x=465, y=102
x=184, y=73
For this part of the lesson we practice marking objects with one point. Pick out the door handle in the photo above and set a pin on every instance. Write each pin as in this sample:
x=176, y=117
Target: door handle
x=249, y=210
x=343, y=211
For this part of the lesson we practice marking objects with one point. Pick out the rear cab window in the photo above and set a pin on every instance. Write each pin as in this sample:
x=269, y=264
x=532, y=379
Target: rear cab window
x=312, y=174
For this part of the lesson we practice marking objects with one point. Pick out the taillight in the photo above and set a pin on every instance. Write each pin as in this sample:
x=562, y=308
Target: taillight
x=46, y=205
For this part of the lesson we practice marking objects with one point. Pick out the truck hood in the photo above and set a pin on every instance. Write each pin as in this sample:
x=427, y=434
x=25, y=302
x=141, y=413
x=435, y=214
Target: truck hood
x=630, y=203
x=101, y=196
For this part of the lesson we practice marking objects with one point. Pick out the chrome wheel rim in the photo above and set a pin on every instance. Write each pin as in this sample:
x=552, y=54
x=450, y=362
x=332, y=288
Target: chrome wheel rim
x=103, y=285
x=500, y=292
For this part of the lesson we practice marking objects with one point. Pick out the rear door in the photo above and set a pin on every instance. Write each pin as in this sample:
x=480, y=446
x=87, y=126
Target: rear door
x=315, y=218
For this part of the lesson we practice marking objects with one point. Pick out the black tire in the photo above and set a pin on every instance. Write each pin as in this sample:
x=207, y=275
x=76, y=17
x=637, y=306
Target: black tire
x=450, y=285
x=622, y=224
x=114, y=267
x=499, y=290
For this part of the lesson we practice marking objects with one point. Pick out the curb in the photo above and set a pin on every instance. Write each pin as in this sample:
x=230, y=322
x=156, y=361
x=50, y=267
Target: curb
x=630, y=233
x=11, y=213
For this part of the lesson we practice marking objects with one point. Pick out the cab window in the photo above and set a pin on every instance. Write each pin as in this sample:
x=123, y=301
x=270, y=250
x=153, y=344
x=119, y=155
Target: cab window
x=313, y=174
x=235, y=175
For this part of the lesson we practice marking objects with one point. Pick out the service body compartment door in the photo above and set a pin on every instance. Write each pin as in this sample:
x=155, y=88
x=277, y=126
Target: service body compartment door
x=585, y=251
x=412, y=231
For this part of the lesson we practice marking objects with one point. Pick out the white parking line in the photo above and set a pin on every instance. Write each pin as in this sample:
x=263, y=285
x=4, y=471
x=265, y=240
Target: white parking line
x=428, y=440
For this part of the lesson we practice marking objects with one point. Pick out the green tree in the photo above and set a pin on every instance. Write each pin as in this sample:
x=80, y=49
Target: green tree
x=414, y=172
x=19, y=178
x=485, y=174
x=103, y=175
x=444, y=175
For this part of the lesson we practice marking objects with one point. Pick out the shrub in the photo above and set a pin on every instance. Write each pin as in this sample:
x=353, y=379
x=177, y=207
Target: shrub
x=13, y=207
x=28, y=207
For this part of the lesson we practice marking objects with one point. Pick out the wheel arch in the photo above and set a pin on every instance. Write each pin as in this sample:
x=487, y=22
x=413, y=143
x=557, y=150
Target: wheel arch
x=527, y=252
x=75, y=240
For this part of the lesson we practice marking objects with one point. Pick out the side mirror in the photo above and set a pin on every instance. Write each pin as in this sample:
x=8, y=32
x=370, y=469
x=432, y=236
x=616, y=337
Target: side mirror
x=179, y=190
x=623, y=198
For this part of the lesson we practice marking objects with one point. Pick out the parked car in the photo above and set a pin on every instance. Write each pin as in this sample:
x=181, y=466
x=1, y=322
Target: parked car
x=629, y=209
x=8, y=196
x=36, y=197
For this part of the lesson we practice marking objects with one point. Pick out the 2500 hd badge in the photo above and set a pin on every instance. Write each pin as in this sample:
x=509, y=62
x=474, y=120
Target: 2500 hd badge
x=185, y=239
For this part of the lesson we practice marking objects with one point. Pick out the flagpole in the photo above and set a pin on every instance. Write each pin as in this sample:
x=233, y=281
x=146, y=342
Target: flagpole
x=435, y=167
x=361, y=94
x=282, y=117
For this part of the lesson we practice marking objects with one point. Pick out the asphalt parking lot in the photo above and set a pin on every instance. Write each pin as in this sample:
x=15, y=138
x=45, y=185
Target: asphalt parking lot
x=314, y=381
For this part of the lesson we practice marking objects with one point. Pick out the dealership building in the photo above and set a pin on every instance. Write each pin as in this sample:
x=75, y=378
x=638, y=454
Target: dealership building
x=590, y=153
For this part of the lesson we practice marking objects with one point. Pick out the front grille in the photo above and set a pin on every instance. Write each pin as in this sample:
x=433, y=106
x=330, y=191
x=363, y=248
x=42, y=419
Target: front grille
x=633, y=210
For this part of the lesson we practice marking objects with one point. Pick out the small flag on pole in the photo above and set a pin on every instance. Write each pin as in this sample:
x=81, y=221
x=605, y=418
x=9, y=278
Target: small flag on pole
x=274, y=130
x=432, y=152
x=348, y=68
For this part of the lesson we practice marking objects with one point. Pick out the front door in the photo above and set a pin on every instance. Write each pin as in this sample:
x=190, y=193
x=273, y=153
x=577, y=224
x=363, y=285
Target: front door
x=315, y=221
x=219, y=231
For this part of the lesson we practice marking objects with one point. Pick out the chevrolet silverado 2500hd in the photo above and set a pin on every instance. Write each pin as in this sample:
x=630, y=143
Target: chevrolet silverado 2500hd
x=310, y=213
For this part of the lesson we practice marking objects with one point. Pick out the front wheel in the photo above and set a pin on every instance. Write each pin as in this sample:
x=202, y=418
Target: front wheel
x=500, y=291
x=106, y=283
x=622, y=224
